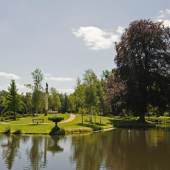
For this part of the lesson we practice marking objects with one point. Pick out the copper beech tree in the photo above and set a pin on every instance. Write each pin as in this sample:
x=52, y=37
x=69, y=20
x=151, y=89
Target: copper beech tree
x=143, y=66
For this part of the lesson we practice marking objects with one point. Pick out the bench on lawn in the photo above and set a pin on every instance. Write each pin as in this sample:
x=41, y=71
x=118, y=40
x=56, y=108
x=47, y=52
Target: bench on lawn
x=37, y=121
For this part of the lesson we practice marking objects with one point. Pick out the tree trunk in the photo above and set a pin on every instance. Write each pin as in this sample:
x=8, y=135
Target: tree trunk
x=143, y=102
x=100, y=118
x=82, y=118
x=14, y=115
x=46, y=112
x=142, y=118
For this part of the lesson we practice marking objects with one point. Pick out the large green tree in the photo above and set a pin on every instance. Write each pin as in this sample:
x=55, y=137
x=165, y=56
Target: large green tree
x=37, y=96
x=54, y=100
x=13, y=100
x=27, y=99
x=143, y=65
x=91, y=97
x=3, y=96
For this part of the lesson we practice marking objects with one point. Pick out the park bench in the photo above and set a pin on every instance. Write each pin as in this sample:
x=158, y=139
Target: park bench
x=37, y=121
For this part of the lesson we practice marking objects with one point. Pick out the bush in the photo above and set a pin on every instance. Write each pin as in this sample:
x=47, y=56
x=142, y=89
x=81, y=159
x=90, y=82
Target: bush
x=96, y=128
x=7, y=131
x=17, y=132
x=166, y=114
x=2, y=119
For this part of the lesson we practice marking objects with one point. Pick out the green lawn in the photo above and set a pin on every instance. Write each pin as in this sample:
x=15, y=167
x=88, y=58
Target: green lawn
x=76, y=125
x=25, y=125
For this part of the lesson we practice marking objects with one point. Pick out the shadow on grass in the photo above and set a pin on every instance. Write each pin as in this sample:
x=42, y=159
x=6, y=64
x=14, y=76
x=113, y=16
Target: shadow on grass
x=132, y=124
x=94, y=126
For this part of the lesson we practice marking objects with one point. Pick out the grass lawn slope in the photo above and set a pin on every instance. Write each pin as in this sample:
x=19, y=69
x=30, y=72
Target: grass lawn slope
x=76, y=125
x=25, y=125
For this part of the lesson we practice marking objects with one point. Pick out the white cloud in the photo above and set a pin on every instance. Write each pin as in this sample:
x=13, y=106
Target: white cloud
x=166, y=22
x=22, y=88
x=96, y=38
x=9, y=76
x=49, y=77
x=67, y=91
x=164, y=16
x=164, y=13
x=120, y=30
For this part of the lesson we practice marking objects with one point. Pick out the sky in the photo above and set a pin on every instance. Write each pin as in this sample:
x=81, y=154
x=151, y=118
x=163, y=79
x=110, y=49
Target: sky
x=64, y=38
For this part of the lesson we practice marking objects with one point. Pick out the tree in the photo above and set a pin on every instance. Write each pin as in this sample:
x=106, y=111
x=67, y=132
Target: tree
x=91, y=98
x=79, y=95
x=101, y=95
x=80, y=99
x=13, y=101
x=28, y=102
x=37, y=96
x=54, y=100
x=114, y=91
x=3, y=96
x=143, y=65
x=72, y=103
x=64, y=103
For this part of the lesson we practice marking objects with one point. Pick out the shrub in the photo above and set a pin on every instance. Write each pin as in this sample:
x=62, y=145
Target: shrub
x=17, y=132
x=7, y=131
x=166, y=114
x=2, y=119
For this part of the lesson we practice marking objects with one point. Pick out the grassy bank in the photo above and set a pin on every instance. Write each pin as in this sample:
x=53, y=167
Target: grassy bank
x=132, y=122
x=24, y=125
x=76, y=125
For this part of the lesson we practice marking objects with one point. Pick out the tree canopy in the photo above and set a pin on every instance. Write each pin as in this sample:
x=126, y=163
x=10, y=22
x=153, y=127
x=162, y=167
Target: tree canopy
x=143, y=65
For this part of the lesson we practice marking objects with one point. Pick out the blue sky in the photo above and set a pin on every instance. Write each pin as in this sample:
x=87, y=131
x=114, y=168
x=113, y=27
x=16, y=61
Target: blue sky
x=66, y=37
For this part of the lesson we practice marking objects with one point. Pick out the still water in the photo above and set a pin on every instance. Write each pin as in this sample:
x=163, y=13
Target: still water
x=115, y=150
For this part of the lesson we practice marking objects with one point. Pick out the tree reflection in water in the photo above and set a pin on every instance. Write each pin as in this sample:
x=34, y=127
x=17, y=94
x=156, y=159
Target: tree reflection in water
x=122, y=149
x=116, y=150
x=10, y=149
x=36, y=154
x=38, y=151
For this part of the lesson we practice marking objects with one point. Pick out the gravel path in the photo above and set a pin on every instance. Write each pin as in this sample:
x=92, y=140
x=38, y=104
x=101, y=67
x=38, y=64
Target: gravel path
x=71, y=118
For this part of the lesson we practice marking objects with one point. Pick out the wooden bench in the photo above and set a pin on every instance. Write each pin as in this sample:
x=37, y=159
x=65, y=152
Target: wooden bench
x=37, y=121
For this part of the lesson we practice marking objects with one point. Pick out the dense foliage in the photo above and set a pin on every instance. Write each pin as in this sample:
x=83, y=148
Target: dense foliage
x=143, y=66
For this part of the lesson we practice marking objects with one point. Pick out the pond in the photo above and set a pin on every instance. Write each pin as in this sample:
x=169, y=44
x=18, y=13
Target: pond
x=115, y=150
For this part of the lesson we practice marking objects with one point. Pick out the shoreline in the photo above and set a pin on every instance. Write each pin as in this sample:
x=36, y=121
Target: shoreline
x=85, y=132
x=67, y=132
x=72, y=125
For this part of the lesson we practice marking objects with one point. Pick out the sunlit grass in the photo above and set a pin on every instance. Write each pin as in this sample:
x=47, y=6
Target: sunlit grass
x=25, y=125
x=77, y=126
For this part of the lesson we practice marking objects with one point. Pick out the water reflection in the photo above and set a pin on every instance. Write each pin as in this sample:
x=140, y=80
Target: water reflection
x=36, y=148
x=116, y=150
x=123, y=150
x=10, y=149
